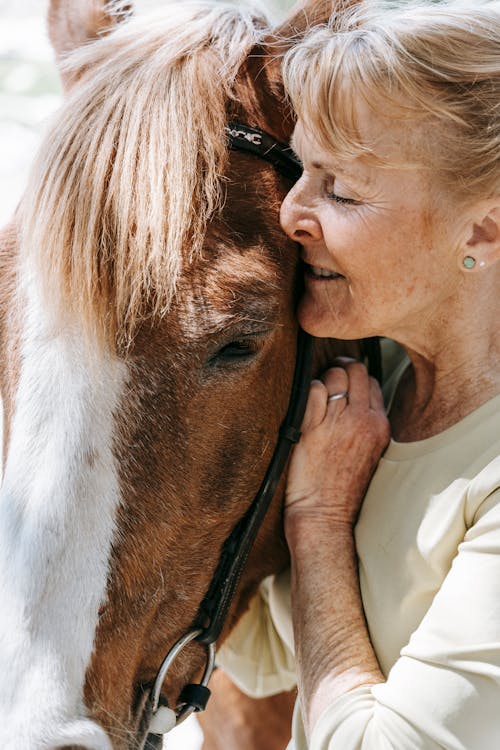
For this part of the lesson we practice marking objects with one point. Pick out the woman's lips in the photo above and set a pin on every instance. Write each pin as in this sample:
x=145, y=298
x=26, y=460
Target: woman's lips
x=320, y=274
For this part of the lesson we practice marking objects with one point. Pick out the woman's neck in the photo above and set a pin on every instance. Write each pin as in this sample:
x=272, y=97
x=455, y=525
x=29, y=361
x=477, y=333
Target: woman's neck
x=455, y=365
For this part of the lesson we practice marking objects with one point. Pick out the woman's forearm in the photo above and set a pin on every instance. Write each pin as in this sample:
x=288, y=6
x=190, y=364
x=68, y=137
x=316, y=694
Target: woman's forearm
x=344, y=433
x=333, y=650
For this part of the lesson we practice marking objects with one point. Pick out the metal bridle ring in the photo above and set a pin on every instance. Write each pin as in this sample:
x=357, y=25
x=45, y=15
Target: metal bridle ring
x=182, y=711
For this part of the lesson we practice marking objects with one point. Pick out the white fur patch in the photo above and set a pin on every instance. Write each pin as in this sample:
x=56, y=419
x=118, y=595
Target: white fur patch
x=57, y=519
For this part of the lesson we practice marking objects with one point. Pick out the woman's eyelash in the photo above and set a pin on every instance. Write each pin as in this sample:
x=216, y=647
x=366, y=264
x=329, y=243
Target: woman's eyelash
x=339, y=199
x=332, y=195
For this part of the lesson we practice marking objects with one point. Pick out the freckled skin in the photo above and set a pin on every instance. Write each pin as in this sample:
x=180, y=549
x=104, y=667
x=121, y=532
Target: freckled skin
x=397, y=243
x=388, y=246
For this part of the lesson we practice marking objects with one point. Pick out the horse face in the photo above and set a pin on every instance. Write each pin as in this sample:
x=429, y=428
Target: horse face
x=126, y=469
x=208, y=390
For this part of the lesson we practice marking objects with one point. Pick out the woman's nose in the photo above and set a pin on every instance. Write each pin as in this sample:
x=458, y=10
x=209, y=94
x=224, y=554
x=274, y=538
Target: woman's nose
x=298, y=219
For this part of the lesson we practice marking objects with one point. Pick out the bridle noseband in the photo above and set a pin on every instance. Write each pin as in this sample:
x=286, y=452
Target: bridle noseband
x=214, y=608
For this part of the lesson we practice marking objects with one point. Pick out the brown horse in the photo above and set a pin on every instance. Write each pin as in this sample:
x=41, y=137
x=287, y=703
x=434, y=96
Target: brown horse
x=148, y=341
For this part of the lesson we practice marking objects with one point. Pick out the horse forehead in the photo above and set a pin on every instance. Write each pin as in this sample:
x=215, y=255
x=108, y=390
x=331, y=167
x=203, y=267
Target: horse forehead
x=235, y=282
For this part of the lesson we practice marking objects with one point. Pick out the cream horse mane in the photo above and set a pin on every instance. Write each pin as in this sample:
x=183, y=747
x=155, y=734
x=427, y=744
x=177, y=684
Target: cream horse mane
x=129, y=172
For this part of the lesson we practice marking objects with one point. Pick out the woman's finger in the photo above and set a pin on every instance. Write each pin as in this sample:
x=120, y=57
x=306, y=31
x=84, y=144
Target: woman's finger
x=316, y=406
x=336, y=381
x=359, y=388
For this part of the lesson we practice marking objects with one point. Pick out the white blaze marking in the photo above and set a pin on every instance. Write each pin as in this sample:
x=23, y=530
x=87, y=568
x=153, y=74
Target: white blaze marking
x=57, y=518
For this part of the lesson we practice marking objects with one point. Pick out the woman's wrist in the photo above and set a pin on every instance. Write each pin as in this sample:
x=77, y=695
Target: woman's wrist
x=333, y=650
x=316, y=526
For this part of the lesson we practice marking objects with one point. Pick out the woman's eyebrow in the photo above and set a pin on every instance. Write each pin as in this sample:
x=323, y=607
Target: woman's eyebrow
x=335, y=169
x=363, y=179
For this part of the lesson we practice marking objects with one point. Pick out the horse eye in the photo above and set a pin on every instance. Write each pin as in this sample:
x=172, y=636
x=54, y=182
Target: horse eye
x=234, y=351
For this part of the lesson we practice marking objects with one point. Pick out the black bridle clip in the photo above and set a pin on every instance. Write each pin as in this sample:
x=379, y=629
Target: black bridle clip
x=196, y=696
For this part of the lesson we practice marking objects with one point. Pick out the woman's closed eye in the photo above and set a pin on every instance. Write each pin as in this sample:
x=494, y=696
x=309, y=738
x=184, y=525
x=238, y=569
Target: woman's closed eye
x=335, y=194
x=341, y=199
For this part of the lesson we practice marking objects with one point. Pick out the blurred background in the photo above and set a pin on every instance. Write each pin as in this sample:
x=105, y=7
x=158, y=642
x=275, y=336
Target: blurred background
x=29, y=87
x=29, y=94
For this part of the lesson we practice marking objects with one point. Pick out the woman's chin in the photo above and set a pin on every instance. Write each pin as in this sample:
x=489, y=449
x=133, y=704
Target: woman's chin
x=319, y=322
x=322, y=330
x=328, y=325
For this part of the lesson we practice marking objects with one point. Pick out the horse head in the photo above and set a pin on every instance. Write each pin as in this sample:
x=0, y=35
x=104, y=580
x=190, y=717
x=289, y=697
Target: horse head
x=148, y=344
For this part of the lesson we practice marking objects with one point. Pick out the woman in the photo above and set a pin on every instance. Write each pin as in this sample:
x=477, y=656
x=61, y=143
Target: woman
x=395, y=563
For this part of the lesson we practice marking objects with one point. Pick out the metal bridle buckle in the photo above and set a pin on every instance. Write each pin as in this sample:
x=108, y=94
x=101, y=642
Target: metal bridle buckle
x=254, y=138
x=182, y=710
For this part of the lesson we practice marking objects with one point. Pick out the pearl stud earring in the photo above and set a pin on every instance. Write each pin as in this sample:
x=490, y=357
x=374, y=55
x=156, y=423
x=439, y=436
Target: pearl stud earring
x=469, y=261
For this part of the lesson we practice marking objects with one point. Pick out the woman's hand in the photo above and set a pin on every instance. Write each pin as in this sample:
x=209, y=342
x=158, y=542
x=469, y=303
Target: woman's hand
x=341, y=444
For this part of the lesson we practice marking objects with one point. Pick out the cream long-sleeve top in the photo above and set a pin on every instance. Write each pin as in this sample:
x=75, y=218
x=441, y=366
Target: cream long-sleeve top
x=428, y=542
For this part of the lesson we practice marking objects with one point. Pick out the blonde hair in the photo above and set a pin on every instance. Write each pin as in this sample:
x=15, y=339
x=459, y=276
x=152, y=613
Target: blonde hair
x=436, y=65
x=130, y=172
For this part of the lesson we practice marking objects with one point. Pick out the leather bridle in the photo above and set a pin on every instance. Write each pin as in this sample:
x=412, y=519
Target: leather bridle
x=214, y=608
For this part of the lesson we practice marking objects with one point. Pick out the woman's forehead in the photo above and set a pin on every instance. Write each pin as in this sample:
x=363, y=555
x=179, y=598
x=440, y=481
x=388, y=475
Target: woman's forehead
x=315, y=156
x=388, y=140
x=391, y=175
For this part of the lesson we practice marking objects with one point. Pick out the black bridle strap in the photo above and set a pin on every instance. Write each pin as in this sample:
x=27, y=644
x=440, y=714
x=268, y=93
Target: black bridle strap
x=214, y=607
x=254, y=141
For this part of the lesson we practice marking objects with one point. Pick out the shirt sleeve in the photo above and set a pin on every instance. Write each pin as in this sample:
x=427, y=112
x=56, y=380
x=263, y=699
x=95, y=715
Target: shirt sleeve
x=258, y=654
x=444, y=690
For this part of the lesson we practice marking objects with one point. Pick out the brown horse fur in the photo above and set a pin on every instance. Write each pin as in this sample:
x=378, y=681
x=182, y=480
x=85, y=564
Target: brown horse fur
x=195, y=430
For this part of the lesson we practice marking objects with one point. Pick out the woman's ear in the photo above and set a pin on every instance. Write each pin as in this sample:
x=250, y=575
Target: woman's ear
x=72, y=23
x=482, y=248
